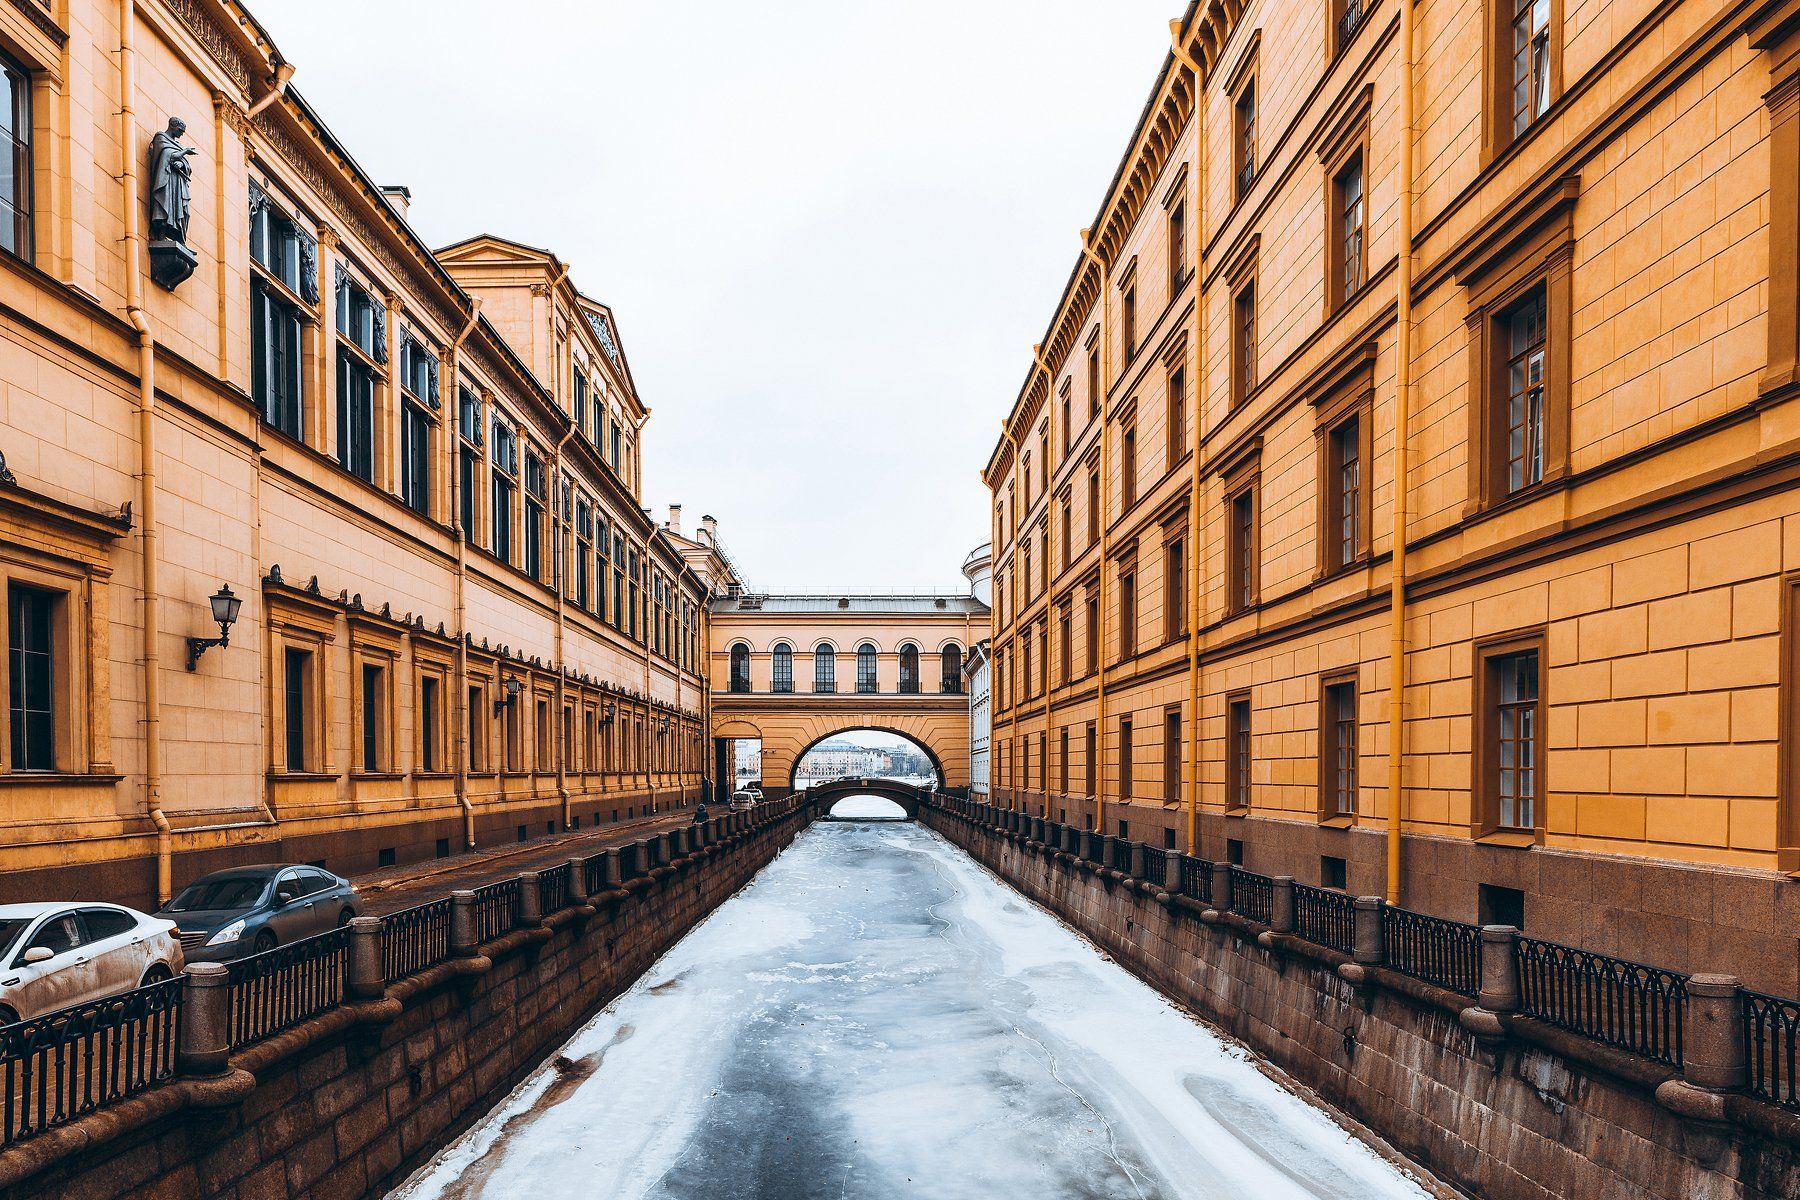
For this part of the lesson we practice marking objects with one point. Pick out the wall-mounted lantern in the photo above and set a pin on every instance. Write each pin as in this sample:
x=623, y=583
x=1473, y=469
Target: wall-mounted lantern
x=662, y=729
x=611, y=711
x=512, y=687
x=225, y=607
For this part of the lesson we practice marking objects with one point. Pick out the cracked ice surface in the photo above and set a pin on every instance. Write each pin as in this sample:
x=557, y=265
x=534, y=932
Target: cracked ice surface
x=877, y=1016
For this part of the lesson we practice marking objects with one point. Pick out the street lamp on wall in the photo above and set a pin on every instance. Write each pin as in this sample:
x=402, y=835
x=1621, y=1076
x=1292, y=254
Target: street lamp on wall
x=225, y=607
x=512, y=687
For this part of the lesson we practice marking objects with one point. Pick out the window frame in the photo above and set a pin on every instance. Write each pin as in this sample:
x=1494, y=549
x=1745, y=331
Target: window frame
x=1330, y=747
x=1485, y=810
x=1501, y=129
x=24, y=155
x=1240, y=762
x=1345, y=392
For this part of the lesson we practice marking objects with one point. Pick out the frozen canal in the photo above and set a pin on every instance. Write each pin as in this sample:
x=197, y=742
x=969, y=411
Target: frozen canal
x=876, y=1016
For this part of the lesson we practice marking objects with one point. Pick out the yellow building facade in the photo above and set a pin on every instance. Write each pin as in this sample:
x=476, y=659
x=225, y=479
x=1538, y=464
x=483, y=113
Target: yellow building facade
x=418, y=472
x=1545, y=346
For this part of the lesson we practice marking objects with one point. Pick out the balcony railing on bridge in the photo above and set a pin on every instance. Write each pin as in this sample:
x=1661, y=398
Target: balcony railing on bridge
x=496, y=909
x=77, y=1060
x=274, y=991
x=1252, y=895
x=1611, y=1000
x=1196, y=878
x=1156, y=866
x=553, y=888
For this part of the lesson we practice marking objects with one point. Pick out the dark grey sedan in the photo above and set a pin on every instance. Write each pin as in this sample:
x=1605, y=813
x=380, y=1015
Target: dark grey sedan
x=246, y=910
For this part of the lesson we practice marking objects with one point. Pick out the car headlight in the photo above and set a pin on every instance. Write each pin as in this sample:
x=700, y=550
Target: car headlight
x=230, y=933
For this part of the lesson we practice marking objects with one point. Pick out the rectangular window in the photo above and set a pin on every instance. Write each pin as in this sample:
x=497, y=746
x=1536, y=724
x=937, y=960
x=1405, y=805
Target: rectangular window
x=1530, y=61
x=1352, y=258
x=1172, y=756
x=1093, y=633
x=1178, y=250
x=356, y=415
x=275, y=360
x=1093, y=382
x=1128, y=468
x=1337, y=748
x=579, y=401
x=1243, y=355
x=1068, y=418
x=1524, y=383
x=1092, y=756
x=1240, y=567
x=1513, y=740
x=1178, y=417
x=1067, y=529
x=1127, y=611
x=1343, y=524
x=1125, y=763
x=374, y=688
x=1244, y=139
x=296, y=685
x=430, y=736
x=15, y=190
x=31, y=670
x=478, y=729
x=505, y=482
x=1066, y=640
x=1175, y=589
x=1237, y=753
x=1128, y=319
x=1062, y=761
x=415, y=458
x=1093, y=513
x=534, y=516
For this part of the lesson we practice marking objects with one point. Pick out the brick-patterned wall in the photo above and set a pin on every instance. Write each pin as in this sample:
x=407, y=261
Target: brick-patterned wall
x=1534, y=1125
x=353, y=1112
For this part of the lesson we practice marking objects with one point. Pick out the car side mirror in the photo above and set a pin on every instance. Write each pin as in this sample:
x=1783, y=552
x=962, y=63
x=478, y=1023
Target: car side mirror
x=285, y=897
x=38, y=954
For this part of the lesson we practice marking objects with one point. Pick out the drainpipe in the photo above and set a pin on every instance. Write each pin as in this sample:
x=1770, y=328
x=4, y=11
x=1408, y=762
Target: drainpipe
x=1402, y=418
x=559, y=557
x=462, y=594
x=1180, y=50
x=1087, y=250
x=283, y=73
x=643, y=622
x=1012, y=539
x=146, y=406
x=1037, y=352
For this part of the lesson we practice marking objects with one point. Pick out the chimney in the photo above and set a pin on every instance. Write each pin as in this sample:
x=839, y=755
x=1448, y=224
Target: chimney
x=400, y=196
x=675, y=519
x=712, y=529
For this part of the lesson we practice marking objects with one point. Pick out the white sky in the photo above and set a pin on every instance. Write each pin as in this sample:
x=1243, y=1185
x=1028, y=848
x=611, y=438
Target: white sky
x=831, y=229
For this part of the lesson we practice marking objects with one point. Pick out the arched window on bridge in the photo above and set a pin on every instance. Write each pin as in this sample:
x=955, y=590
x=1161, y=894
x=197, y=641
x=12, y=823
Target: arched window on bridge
x=952, y=683
x=865, y=667
x=909, y=669
x=825, y=669
x=783, y=656
x=740, y=668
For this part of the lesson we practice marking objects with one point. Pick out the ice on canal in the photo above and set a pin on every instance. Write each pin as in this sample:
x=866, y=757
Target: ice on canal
x=877, y=1016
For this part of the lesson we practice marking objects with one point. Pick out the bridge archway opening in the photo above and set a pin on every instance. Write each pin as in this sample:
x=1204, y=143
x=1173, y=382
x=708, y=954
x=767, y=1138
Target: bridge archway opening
x=867, y=807
x=868, y=753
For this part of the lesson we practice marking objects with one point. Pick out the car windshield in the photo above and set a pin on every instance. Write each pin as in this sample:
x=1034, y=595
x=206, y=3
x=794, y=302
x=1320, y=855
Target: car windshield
x=209, y=894
x=10, y=929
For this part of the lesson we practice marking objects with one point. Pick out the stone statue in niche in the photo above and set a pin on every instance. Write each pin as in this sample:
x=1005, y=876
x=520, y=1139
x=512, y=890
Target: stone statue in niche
x=171, y=180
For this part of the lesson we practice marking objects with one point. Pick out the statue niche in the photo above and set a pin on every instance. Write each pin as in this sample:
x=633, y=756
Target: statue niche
x=171, y=187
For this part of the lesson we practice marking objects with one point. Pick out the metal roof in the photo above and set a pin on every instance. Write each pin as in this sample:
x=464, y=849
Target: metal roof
x=829, y=605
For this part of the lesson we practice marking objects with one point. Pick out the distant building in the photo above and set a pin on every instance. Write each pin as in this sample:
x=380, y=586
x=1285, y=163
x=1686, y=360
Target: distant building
x=979, y=568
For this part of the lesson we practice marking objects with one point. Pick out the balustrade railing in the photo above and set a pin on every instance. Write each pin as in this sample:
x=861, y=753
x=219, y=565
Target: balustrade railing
x=1093, y=847
x=1611, y=1000
x=1325, y=917
x=1350, y=21
x=415, y=939
x=1440, y=952
x=1772, y=1046
x=274, y=991
x=1196, y=878
x=1156, y=866
x=74, y=1061
x=496, y=909
x=553, y=888
x=1121, y=855
x=1252, y=895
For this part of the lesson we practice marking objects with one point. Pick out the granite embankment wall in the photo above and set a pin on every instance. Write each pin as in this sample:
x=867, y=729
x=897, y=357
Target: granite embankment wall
x=346, y=1104
x=1520, y=1111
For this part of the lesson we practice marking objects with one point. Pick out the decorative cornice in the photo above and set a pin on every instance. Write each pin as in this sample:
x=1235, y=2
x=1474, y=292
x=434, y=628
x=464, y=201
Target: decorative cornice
x=210, y=34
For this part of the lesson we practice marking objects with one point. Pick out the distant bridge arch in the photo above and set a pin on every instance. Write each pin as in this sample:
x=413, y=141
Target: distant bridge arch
x=825, y=795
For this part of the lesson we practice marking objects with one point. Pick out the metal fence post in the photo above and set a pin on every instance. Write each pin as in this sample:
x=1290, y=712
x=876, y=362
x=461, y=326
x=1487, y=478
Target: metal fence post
x=1499, y=969
x=530, y=912
x=1281, y=904
x=1371, y=934
x=1713, y=1034
x=206, y=1021
x=365, y=980
x=578, y=881
x=462, y=924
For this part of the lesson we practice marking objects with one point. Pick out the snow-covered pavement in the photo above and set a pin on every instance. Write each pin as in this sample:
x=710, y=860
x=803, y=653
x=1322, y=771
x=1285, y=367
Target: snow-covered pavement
x=876, y=1016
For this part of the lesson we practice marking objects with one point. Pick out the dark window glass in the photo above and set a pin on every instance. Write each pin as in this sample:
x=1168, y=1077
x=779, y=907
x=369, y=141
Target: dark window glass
x=952, y=669
x=31, y=666
x=1177, y=246
x=356, y=415
x=534, y=516
x=825, y=669
x=428, y=724
x=1340, y=749
x=415, y=458
x=15, y=165
x=1244, y=118
x=1530, y=62
x=1345, y=516
x=909, y=669
x=1125, y=763
x=297, y=664
x=1172, y=757
x=275, y=360
x=1520, y=749
x=740, y=668
x=1350, y=224
x=865, y=668
x=371, y=717
x=783, y=667
x=1237, y=754
x=1244, y=316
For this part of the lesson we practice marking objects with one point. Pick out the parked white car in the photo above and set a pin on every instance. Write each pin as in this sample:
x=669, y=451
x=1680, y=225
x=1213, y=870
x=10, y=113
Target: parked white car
x=53, y=955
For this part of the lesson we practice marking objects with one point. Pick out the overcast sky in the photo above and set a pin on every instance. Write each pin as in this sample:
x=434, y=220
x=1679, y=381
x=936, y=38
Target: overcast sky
x=830, y=229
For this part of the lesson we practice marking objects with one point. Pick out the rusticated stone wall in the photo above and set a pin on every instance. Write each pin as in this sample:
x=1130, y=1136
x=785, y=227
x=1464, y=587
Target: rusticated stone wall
x=1542, y=1115
x=348, y=1104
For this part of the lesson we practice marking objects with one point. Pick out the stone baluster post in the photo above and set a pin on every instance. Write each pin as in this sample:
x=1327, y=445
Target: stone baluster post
x=1281, y=905
x=206, y=1021
x=530, y=910
x=462, y=924
x=578, y=881
x=1371, y=932
x=1712, y=1039
x=365, y=978
x=1221, y=886
x=1499, y=969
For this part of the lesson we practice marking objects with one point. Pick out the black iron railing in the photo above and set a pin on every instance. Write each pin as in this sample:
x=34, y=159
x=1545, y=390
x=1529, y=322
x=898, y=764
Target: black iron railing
x=69, y=1063
x=1245, y=177
x=1252, y=895
x=593, y=873
x=1156, y=866
x=1772, y=1046
x=496, y=909
x=1121, y=855
x=1325, y=917
x=1196, y=878
x=1350, y=21
x=631, y=859
x=553, y=889
x=1093, y=847
x=1441, y=952
x=276, y=990
x=415, y=939
x=1612, y=1000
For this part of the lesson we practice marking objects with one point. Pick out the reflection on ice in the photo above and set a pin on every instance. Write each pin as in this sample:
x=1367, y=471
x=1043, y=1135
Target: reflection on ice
x=875, y=1016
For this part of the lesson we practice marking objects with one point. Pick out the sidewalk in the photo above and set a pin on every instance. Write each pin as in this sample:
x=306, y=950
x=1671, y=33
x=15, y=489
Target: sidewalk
x=393, y=888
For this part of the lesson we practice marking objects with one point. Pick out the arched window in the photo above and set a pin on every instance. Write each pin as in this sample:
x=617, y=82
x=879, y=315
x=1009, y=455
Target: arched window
x=825, y=669
x=783, y=656
x=740, y=668
x=865, y=667
x=952, y=669
x=909, y=669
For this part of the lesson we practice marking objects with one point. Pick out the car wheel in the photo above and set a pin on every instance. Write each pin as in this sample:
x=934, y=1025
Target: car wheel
x=156, y=974
x=8, y=1015
x=264, y=941
x=345, y=917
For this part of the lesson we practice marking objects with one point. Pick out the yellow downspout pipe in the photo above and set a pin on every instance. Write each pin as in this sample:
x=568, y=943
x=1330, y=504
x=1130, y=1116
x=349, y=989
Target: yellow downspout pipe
x=1087, y=250
x=1197, y=391
x=146, y=351
x=1037, y=352
x=1012, y=540
x=560, y=557
x=1402, y=418
x=454, y=381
